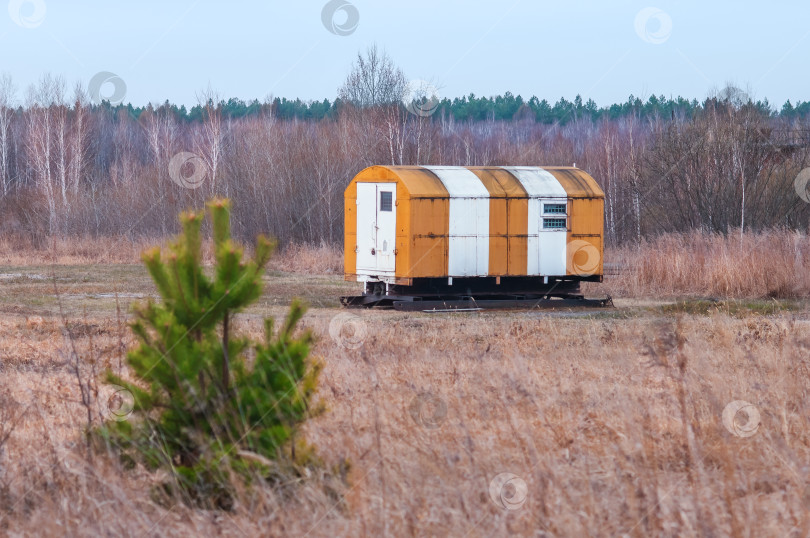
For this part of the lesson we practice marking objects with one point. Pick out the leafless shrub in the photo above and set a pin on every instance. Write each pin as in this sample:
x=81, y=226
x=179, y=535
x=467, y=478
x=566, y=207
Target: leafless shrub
x=323, y=259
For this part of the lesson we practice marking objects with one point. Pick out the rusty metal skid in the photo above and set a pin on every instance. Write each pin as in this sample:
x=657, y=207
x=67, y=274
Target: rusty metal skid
x=449, y=304
x=475, y=294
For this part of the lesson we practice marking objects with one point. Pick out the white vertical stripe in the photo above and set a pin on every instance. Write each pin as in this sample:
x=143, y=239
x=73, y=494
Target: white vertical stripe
x=533, y=239
x=468, y=242
x=459, y=182
x=537, y=182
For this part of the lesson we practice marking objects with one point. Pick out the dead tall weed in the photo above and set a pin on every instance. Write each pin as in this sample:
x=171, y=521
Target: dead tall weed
x=752, y=265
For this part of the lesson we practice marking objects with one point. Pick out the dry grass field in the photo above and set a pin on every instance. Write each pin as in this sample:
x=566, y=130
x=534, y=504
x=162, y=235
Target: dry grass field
x=607, y=422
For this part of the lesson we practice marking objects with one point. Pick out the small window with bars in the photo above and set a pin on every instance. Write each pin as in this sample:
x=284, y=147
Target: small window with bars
x=554, y=209
x=554, y=224
x=386, y=200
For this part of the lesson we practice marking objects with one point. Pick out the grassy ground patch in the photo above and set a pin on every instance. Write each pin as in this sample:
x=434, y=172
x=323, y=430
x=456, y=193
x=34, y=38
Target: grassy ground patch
x=730, y=307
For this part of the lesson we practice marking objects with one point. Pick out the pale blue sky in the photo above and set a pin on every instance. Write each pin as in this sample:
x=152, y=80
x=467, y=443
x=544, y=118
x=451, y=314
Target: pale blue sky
x=172, y=50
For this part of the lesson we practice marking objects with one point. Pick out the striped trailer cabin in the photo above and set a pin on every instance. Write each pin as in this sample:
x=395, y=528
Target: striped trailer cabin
x=456, y=230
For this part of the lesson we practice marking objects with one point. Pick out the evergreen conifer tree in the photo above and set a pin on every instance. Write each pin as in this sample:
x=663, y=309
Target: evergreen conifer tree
x=207, y=401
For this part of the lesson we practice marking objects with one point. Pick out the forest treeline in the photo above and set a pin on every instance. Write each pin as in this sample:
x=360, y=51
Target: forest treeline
x=506, y=107
x=69, y=167
x=509, y=107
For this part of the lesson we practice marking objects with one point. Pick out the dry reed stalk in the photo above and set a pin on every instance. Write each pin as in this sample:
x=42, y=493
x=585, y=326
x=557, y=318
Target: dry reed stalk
x=769, y=264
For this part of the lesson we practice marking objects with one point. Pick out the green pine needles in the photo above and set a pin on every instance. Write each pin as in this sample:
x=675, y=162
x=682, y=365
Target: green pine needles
x=216, y=402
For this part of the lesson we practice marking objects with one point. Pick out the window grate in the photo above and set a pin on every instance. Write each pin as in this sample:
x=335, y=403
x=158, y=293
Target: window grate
x=554, y=209
x=385, y=200
x=554, y=224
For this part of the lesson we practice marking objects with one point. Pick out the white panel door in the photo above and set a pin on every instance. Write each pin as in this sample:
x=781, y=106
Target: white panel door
x=386, y=226
x=376, y=228
x=366, y=227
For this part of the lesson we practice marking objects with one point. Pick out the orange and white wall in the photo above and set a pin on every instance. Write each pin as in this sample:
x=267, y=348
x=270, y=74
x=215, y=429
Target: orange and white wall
x=472, y=221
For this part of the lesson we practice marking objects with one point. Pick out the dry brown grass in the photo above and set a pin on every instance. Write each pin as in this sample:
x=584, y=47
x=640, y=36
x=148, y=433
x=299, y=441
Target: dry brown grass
x=613, y=424
x=73, y=251
x=307, y=259
x=297, y=258
x=770, y=264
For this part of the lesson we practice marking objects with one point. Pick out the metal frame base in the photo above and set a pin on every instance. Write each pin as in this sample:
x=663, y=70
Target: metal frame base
x=449, y=304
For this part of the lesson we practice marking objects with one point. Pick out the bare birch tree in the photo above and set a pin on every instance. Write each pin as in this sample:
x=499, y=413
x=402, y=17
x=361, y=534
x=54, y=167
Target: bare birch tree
x=7, y=93
x=78, y=141
x=44, y=100
x=210, y=137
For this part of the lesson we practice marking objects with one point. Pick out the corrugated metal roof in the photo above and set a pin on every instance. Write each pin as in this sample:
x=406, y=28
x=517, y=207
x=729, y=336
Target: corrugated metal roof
x=498, y=181
x=577, y=183
x=460, y=182
x=501, y=184
x=537, y=181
